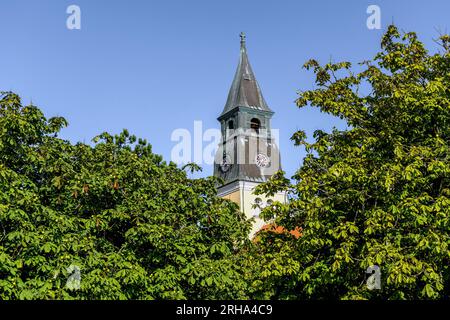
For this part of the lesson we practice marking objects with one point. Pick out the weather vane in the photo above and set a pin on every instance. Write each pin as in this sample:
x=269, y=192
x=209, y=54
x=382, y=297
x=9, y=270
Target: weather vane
x=242, y=35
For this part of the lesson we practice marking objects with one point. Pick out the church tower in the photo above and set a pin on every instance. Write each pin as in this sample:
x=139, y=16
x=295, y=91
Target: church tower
x=247, y=154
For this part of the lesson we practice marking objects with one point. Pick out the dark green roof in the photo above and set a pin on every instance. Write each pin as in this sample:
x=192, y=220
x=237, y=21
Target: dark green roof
x=245, y=90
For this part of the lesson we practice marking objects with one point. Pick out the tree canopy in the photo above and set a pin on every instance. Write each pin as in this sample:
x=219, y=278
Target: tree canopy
x=134, y=225
x=377, y=193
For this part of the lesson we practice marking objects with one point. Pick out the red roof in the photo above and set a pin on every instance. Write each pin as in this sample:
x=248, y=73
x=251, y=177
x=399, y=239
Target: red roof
x=297, y=232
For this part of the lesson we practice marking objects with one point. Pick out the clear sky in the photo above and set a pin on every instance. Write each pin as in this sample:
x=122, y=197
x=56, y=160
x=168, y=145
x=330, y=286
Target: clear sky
x=155, y=66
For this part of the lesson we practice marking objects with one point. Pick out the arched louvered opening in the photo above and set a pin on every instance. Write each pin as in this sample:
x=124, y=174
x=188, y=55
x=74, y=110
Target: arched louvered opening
x=255, y=124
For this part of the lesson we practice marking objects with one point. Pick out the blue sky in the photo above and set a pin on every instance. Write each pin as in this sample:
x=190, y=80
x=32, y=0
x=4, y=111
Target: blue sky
x=155, y=66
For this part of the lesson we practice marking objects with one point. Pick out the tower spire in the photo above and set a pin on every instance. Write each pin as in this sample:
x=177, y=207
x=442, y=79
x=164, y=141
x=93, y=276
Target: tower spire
x=245, y=90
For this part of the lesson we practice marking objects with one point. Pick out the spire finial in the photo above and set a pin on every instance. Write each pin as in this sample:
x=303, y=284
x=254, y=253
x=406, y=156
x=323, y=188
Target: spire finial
x=242, y=35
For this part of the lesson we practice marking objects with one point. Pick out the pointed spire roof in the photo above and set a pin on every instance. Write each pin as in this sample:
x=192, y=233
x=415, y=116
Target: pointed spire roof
x=245, y=90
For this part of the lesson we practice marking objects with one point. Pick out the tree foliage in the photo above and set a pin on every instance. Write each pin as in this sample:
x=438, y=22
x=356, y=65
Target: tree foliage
x=377, y=193
x=135, y=226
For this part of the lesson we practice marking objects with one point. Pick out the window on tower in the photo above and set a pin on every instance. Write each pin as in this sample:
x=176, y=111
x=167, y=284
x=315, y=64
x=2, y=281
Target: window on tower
x=255, y=124
x=231, y=125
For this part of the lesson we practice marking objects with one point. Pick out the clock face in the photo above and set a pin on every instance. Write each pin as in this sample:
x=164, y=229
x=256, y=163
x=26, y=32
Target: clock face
x=262, y=160
x=225, y=164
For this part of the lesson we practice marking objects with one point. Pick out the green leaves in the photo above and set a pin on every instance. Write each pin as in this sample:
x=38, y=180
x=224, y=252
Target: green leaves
x=377, y=193
x=137, y=227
